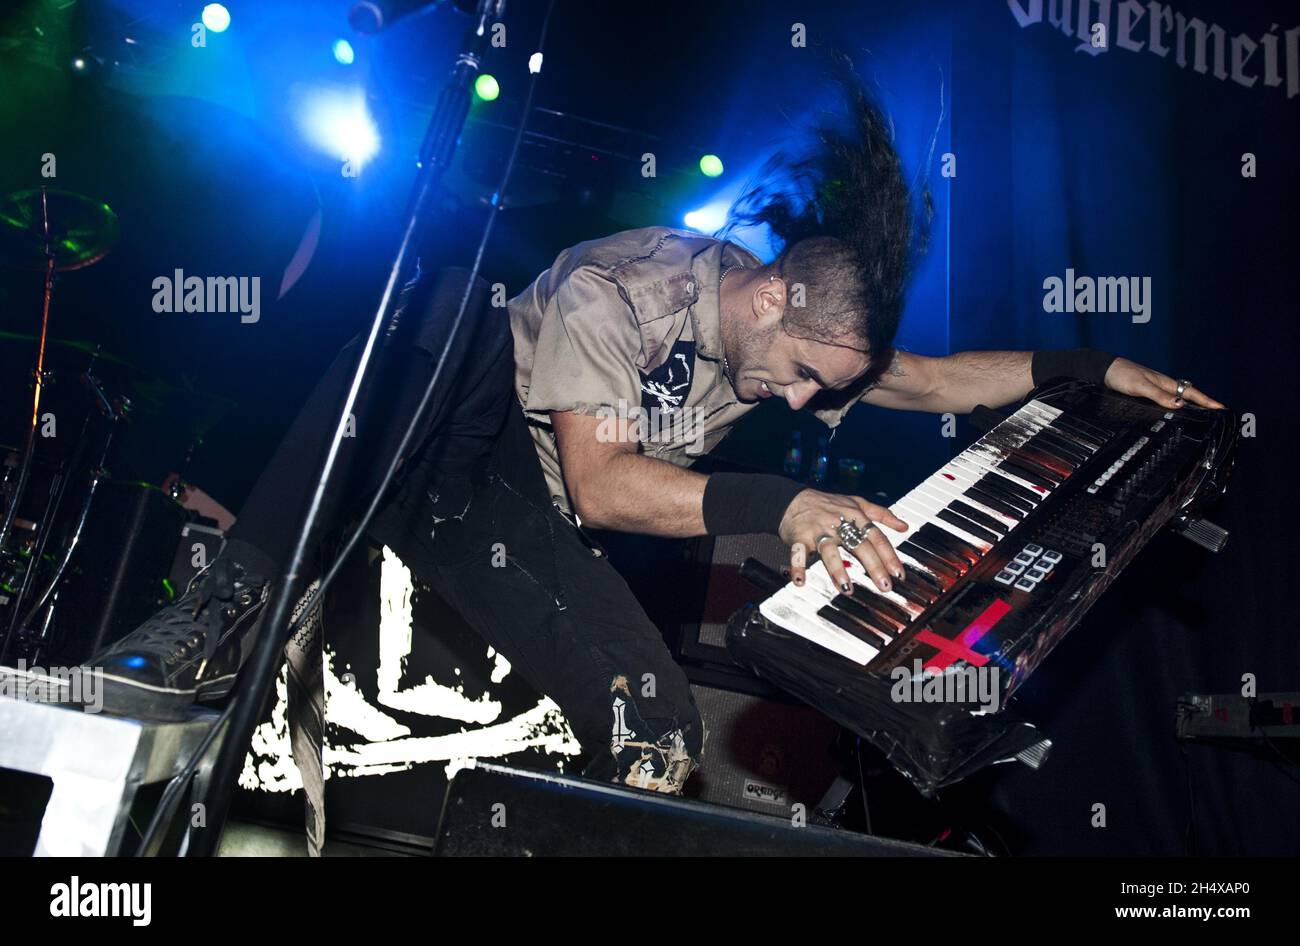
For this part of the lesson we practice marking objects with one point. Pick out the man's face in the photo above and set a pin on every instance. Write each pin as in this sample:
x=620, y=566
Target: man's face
x=769, y=362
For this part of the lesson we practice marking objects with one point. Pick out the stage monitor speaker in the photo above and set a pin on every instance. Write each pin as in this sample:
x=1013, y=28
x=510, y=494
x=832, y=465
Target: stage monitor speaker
x=198, y=546
x=493, y=810
x=726, y=592
x=762, y=755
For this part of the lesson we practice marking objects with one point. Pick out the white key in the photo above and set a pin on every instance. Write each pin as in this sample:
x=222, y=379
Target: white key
x=794, y=614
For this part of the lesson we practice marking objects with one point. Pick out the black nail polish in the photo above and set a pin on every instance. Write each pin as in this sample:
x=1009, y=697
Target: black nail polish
x=846, y=587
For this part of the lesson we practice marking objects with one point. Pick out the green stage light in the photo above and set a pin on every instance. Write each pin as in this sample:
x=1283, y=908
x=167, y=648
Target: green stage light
x=711, y=165
x=486, y=87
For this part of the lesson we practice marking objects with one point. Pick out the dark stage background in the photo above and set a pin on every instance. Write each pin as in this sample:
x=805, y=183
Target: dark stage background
x=1122, y=163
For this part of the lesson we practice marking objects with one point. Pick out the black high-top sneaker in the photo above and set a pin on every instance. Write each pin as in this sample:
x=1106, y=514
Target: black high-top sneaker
x=191, y=650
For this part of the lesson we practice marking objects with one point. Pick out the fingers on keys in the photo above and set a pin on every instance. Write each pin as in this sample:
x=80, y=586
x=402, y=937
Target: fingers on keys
x=798, y=562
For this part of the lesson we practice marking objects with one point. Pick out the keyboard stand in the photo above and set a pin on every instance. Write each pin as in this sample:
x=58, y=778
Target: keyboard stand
x=97, y=763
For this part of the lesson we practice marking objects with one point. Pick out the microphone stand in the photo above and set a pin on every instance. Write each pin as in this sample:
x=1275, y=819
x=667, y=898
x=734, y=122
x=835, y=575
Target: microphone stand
x=255, y=683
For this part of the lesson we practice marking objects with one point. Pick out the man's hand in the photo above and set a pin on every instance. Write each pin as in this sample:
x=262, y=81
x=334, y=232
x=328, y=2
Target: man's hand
x=814, y=515
x=1128, y=377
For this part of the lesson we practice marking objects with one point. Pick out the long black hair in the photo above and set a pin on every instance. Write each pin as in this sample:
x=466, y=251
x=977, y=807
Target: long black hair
x=841, y=211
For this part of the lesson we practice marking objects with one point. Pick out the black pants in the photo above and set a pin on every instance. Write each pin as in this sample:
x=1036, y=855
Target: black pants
x=472, y=518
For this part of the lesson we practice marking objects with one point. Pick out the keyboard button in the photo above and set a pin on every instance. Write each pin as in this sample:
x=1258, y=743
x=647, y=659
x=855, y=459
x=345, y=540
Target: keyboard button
x=1005, y=577
x=1035, y=575
x=1025, y=584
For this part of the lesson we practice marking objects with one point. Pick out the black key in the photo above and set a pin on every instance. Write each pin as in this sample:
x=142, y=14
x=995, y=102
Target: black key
x=1071, y=451
x=1030, y=471
x=1033, y=465
x=860, y=631
x=947, y=540
x=1075, y=427
x=970, y=528
x=1098, y=431
x=931, y=583
x=983, y=518
x=1060, y=442
x=964, y=548
x=884, y=607
x=930, y=560
x=1059, y=467
x=988, y=499
x=1017, y=495
x=1083, y=443
x=1026, y=474
x=913, y=592
x=940, y=542
x=872, y=619
x=951, y=560
x=1027, y=432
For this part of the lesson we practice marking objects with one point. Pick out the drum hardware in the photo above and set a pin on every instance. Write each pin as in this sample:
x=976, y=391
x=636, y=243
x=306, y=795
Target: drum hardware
x=53, y=231
x=48, y=488
x=114, y=411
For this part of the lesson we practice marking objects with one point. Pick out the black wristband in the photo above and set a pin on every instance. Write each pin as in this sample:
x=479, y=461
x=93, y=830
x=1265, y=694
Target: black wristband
x=1085, y=363
x=741, y=503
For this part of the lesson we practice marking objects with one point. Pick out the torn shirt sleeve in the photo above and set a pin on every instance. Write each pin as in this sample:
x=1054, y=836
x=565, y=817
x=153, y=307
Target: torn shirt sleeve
x=586, y=349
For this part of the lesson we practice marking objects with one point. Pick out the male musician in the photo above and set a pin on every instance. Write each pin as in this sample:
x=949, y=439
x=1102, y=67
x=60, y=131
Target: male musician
x=518, y=454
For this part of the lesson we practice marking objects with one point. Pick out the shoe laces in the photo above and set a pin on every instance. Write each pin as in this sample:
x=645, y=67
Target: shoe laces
x=195, y=616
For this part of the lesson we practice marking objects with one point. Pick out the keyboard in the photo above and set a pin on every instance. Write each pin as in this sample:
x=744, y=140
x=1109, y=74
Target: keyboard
x=1009, y=543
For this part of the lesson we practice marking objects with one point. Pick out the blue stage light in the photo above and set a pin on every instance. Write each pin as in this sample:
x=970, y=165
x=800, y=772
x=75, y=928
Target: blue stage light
x=216, y=17
x=708, y=218
x=338, y=123
x=343, y=52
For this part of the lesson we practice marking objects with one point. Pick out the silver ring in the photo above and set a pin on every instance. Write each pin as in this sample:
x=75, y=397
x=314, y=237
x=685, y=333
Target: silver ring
x=1182, y=386
x=824, y=538
x=850, y=535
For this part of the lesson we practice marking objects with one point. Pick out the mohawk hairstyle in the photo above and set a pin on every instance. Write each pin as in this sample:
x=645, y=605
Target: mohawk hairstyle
x=841, y=211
